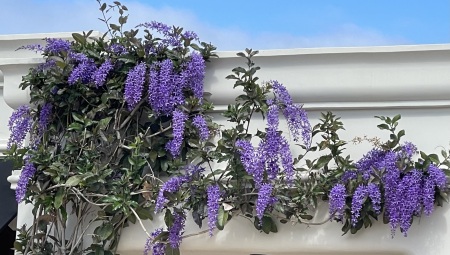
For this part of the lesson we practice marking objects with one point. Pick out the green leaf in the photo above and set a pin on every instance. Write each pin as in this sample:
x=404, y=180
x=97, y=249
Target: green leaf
x=79, y=38
x=73, y=180
x=75, y=126
x=171, y=251
x=59, y=198
x=266, y=224
x=105, y=231
x=144, y=214
x=168, y=218
x=396, y=118
x=222, y=218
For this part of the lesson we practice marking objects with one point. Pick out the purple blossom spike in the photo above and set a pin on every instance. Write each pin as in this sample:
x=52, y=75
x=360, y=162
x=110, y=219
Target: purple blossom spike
x=348, y=175
x=281, y=93
x=190, y=35
x=194, y=73
x=118, y=49
x=213, y=193
x=298, y=123
x=19, y=125
x=134, y=85
x=170, y=37
x=374, y=194
x=176, y=230
x=56, y=46
x=286, y=160
x=28, y=171
x=411, y=188
x=264, y=200
x=82, y=72
x=337, y=198
x=33, y=47
x=437, y=175
x=102, y=72
x=78, y=57
x=251, y=160
x=372, y=160
x=171, y=186
x=178, y=121
x=428, y=196
x=157, y=248
x=359, y=197
x=409, y=149
x=165, y=88
x=191, y=171
x=47, y=65
x=200, y=123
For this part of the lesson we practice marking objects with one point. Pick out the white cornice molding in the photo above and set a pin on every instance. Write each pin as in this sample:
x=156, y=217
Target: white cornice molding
x=346, y=78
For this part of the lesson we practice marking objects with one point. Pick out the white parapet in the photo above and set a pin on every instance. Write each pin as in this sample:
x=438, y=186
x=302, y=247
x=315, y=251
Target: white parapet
x=357, y=84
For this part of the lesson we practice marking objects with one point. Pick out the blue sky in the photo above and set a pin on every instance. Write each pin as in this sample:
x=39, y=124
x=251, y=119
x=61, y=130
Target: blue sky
x=263, y=24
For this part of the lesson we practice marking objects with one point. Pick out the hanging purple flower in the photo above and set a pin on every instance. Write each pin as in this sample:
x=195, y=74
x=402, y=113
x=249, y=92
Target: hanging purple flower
x=337, y=198
x=102, y=72
x=428, y=196
x=409, y=149
x=359, y=197
x=55, y=46
x=298, y=123
x=171, y=186
x=200, y=123
x=373, y=191
x=28, y=171
x=213, y=193
x=251, y=160
x=372, y=160
x=156, y=248
x=437, y=175
x=161, y=88
x=194, y=73
x=49, y=63
x=134, y=85
x=118, y=49
x=33, y=47
x=348, y=175
x=178, y=121
x=82, y=72
x=286, y=160
x=78, y=57
x=19, y=125
x=264, y=200
x=176, y=231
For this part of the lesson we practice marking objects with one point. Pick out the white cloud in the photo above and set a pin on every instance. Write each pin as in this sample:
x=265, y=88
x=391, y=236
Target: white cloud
x=64, y=16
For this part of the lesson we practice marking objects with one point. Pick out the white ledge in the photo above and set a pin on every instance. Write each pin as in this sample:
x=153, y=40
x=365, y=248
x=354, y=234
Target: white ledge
x=346, y=78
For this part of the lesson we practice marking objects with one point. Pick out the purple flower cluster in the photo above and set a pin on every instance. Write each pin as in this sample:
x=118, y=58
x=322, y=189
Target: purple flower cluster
x=174, y=184
x=200, y=123
x=375, y=196
x=251, y=160
x=337, y=198
x=56, y=46
x=171, y=186
x=193, y=75
x=213, y=193
x=176, y=230
x=134, y=85
x=170, y=36
x=409, y=149
x=358, y=199
x=118, y=49
x=178, y=121
x=28, y=170
x=49, y=63
x=33, y=47
x=272, y=150
x=83, y=72
x=102, y=72
x=436, y=178
x=295, y=115
x=374, y=159
x=348, y=175
x=264, y=200
x=166, y=92
x=77, y=57
x=19, y=125
x=157, y=248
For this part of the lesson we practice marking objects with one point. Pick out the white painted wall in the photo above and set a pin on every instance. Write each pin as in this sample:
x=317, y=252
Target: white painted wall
x=356, y=84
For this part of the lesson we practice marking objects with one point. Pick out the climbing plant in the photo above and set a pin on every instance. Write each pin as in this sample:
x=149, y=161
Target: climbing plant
x=119, y=131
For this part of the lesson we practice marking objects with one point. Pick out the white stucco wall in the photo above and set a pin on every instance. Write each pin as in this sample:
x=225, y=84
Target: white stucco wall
x=354, y=83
